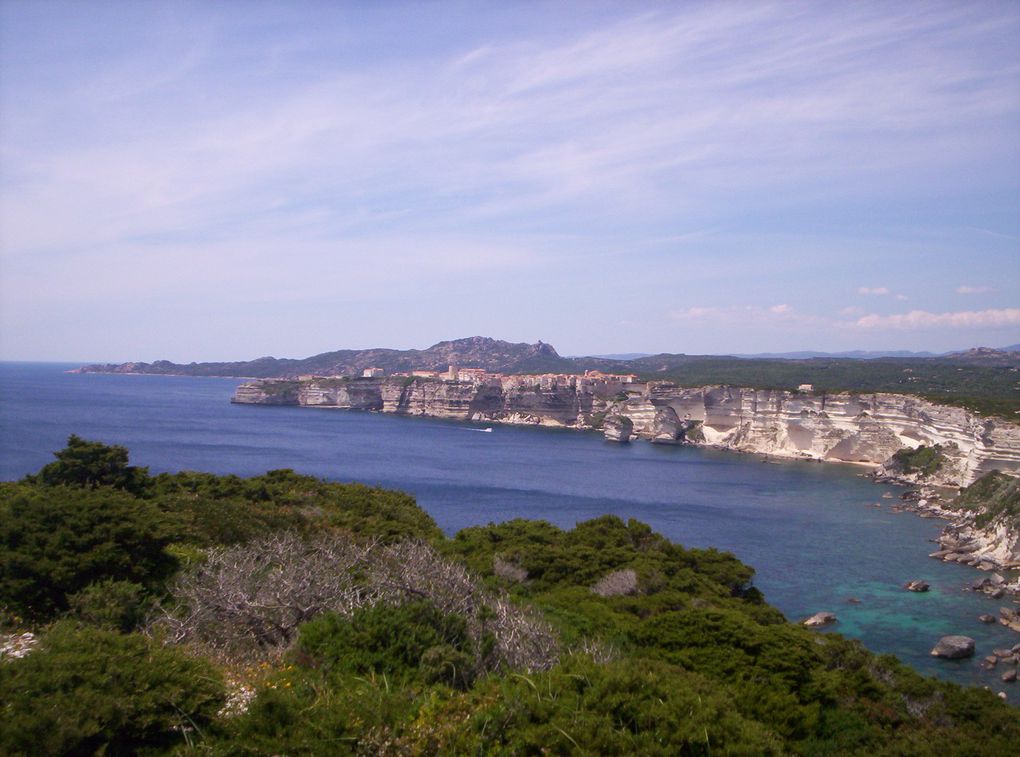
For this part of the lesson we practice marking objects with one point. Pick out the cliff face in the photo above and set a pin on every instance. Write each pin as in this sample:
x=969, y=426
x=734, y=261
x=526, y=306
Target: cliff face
x=864, y=428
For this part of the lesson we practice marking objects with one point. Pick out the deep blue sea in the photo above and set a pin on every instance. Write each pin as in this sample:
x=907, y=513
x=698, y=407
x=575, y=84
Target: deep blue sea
x=809, y=529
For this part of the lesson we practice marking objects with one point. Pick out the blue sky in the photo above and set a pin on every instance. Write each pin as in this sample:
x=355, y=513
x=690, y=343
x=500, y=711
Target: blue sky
x=235, y=179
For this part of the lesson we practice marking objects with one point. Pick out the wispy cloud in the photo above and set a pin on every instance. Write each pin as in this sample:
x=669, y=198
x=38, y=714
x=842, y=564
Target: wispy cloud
x=226, y=158
x=964, y=319
x=973, y=289
x=646, y=114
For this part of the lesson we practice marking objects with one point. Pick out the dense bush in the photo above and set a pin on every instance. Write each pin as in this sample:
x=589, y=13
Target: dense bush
x=56, y=540
x=219, y=510
x=922, y=460
x=117, y=605
x=414, y=639
x=91, y=464
x=88, y=691
x=644, y=707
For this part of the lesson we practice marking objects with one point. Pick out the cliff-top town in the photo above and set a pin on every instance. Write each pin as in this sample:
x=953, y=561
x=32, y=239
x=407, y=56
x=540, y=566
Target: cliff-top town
x=480, y=376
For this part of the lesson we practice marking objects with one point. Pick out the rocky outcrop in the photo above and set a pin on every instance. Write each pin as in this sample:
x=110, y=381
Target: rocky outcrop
x=268, y=393
x=666, y=426
x=820, y=619
x=618, y=428
x=983, y=529
x=954, y=647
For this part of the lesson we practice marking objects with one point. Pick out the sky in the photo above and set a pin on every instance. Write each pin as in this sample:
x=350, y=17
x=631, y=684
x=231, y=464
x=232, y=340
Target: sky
x=223, y=181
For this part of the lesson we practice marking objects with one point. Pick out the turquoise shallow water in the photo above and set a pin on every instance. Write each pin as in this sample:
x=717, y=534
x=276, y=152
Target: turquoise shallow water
x=809, y=529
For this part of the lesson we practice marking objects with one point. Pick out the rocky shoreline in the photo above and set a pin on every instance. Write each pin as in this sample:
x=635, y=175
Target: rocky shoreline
x=994, y=549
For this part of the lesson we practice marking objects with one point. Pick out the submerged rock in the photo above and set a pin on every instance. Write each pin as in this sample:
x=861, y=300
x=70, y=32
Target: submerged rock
x=1009, y=676
x=820, y=619
x=917, y=585
x=986, y=618
x=954, y=647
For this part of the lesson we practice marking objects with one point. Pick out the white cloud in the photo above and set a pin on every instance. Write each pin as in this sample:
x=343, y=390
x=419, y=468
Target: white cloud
x=972, y=290
x=696, y=312
x=877, y=291
x=921, y=319
x=747, y=314
x=851, y=310
x=641, y=115
x=902, y=297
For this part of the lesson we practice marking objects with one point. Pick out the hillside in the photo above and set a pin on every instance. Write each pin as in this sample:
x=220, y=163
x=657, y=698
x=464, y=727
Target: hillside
x=284, y=614
x=475, y=352
x=985, y=381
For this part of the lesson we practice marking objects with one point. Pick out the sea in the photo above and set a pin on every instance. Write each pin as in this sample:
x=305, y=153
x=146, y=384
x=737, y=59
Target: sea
x=820, y=536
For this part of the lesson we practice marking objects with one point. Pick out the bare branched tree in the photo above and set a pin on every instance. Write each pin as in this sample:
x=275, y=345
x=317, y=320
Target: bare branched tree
x=247, y=601
x=520, y=639
x=617, y=584
x=509, y=571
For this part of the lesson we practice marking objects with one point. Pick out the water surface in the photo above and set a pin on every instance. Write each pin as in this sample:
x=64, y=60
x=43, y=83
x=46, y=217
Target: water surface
x=809, y=529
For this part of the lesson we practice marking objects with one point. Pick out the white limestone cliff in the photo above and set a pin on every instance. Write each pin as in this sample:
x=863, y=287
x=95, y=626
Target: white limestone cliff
x=857, y=428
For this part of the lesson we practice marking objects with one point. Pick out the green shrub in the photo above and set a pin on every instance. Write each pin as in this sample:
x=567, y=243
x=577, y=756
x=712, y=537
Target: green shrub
x=56, y=540
x=395, y=640
x=91, y=464
x=219, y=510
x=925, y=461
x=306, y=712
x=117, y=605
x=87, y=690
x=633, y=707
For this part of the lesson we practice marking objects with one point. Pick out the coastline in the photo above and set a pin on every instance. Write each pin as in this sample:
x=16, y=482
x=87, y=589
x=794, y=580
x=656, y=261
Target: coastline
x=843, y=428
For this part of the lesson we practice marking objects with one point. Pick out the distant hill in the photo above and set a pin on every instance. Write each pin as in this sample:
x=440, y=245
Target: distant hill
x=618, y=356
x=854, y=354
x=982, y=379
x=473, y=352
x=987, y=356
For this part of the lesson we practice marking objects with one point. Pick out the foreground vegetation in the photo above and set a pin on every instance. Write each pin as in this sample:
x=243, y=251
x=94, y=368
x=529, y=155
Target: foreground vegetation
x=285, y=615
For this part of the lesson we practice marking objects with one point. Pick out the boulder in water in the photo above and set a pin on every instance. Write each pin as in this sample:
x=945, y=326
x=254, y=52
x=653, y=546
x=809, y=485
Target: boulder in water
x=954, y=647
x=820, y=619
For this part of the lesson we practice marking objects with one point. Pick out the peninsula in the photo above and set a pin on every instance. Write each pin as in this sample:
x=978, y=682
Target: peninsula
x=958, y=409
